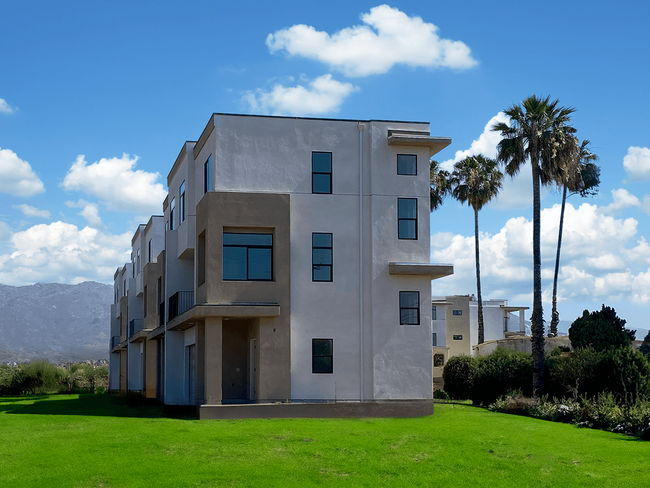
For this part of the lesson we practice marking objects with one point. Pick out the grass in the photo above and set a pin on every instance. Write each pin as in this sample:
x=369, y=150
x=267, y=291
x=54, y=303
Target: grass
x=99, y=441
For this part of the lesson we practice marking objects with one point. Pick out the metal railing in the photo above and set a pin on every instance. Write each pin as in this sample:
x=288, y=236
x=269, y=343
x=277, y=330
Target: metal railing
x=134, y=326
x=180, y=302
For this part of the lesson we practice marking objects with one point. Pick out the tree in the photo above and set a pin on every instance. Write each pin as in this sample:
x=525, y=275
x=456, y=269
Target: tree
x=439, y=185
x=600, y=330
x=582, y=178
x=645, y=347
x=476, y=180
x=538, y=132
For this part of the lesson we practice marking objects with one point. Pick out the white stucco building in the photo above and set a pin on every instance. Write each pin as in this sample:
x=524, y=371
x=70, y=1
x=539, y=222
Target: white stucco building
x=292, y=266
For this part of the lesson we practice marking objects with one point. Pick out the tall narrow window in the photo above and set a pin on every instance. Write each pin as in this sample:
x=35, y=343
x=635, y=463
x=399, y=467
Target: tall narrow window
x=138, y=261
x=321, y=172
x=247, y=257
x=181, y=203
x=321, y=256
x=172, y=210
x=322, y=355
x=434, y=339
x=407, y=164
x=434, y=313
x=207, y=175
x=407, y=218
x=149, y=251
x=409, y=308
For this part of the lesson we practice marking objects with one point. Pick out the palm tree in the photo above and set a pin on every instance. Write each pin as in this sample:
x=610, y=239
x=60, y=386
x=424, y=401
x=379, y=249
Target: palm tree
x=439, y=185
x=539, y=132
x=476, y=180
x=583, y=179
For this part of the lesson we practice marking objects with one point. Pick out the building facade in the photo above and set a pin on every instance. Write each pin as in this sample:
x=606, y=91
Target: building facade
x=291, y=265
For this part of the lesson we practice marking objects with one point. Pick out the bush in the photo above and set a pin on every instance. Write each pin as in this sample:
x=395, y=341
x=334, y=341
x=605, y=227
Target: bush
x=501, y=372
x=441, y=395
x=601, y=330
x=458, y=375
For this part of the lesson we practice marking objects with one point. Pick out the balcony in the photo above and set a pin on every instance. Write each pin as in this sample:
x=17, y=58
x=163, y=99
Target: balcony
x=135, y=326
x=180, y=302
x=161, y=314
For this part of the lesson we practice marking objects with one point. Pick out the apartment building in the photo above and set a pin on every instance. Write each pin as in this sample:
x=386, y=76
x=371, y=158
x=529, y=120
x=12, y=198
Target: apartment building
x=292, y=266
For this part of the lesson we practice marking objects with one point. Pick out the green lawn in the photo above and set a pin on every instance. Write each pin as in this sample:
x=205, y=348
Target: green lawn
x=90, y=441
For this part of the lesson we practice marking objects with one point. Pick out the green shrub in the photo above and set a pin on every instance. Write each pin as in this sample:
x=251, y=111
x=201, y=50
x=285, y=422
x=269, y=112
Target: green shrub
x=441, y=395
x=602, y=329
x=500, y=373
x=458, y=375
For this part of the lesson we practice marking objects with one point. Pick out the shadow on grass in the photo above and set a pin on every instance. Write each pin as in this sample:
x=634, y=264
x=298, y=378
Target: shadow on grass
x=101, y=405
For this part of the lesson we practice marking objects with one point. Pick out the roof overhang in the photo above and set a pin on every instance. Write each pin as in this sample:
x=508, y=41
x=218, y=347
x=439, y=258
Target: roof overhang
x=231, y=310
x=435, y=271
x=418, y=139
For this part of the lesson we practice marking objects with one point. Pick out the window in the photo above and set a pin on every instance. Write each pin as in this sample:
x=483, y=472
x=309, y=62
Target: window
x=434, y=339
x=434, y=313
x=505, y=324
x=407, y=164
x=138, y=262
x=409, y=308
x=321, y=257
x=322, y=356
x=438, y=360
x=458, y=337
x=457, y=312
x=149, y=251
x=207, y=175
x=124, y=289
x=172, y=208
x=321, y=172
x=181, y=203
x=407, y=218
x=247, y=257
x=132, y=265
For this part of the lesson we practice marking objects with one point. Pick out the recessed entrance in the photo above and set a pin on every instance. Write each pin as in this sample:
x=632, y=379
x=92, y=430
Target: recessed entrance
x=237, y=377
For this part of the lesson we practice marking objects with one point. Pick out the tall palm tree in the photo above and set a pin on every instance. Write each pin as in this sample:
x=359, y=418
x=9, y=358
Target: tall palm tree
x=538, y=131
x=476, y=180
x=439, y=185
x=584, y=179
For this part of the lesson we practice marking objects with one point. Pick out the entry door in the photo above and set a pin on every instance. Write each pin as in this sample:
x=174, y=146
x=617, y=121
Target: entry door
x=252, y=368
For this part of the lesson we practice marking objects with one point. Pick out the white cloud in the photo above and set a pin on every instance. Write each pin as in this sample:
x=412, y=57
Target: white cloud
x=486, y=144
x=17, y=177
x=115, y=182
x=5, y=232
x=30, y=211
x=323, y=95
x=61, y=252
x=601, y=258
x=389, y=37
x=622, y=199
x=637, y=163
x=4, y=107
x=91, y=213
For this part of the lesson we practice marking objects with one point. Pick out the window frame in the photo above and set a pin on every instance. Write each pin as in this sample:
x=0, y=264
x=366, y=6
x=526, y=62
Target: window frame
x=149, y=250
x=408, y=219
x=457, y=312
x=247, y=247
x=181, y=203
x=172, y=208
x=416, y=164
x=314, y=264
x=401, y=308
x=207, y=175
x=314, y=173
x=330, y=356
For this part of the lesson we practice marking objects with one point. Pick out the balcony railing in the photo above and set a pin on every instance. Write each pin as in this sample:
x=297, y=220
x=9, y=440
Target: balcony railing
x=115, y=340
x=134, y=326
x=161, y=314
x=180, y=302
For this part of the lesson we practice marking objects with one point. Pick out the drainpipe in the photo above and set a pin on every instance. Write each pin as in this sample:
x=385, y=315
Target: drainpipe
x=360, y=127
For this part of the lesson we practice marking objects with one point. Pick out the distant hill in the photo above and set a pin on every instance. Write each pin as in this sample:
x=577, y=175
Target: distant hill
x=54, y=321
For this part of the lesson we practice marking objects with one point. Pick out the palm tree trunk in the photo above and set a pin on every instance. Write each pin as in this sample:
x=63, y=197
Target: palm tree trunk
x=555, y=316
x=481, y=328
x=537, y=317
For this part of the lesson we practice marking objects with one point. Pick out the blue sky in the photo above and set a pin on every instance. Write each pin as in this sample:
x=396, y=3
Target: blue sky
x=97, y=98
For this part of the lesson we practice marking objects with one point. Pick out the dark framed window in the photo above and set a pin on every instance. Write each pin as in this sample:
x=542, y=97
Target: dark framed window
x=321, y=172
x=407, y=164
x=181, y=203
x=407, y=218
x=149, y=251
x=207, y=175
x=172, y=211
x=434, y=313
x=458, y=337
x=247, y=257
x=322, y=355
x=409, y=308
x=138, y=261
x=457, y=312
x=321, y=256
x=438, y=360
x=434, y=339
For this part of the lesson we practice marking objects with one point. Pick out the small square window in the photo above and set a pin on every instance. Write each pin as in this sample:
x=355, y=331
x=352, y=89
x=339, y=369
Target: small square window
x=458, y=337
x=407, y=164
x=322, y=355
x=457, y=312
x=407, y=218
x=321, y=257
x=321, y=172
x=409, y=308
x=438, y=360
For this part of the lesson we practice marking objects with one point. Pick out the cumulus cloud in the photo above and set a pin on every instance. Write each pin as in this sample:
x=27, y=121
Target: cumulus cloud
x=91, y=213
x=602, y=259
x=637, y=163
x=389, y=37
x=622, y=199
x=322, y=95
x=30, y=211
x=117, y=184
x=17, y=177
x=5, y=108
x=61, y=252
